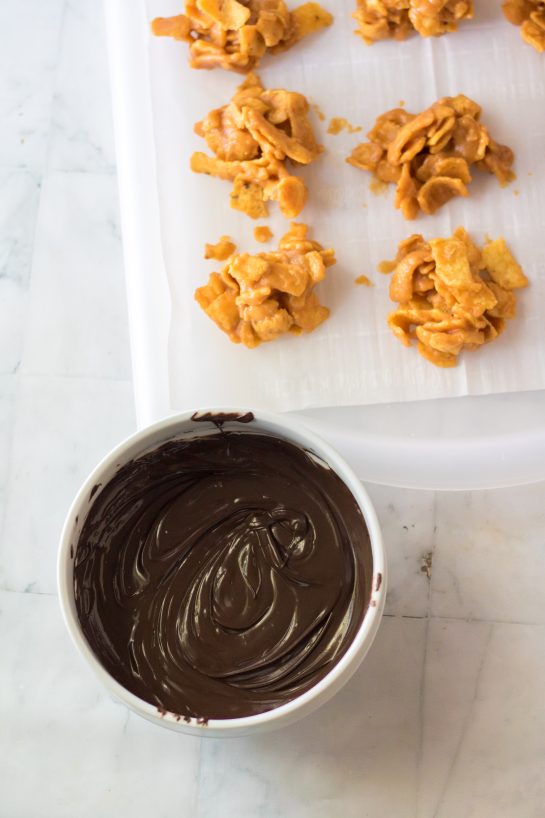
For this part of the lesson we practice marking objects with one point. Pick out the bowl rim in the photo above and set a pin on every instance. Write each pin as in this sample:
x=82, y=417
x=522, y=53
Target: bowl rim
x=317, y=694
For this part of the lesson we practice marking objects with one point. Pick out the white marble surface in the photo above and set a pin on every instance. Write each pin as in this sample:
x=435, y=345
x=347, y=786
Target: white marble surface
x=445, y=719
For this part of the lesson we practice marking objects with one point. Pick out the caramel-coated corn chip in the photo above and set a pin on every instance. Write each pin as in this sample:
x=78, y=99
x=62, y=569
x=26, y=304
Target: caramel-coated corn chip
x=502, y=266
x=428, y=156
x=339, y=123
x=252, y=138
x=257, y=298
x=530, y=16
x=221, y=250
x=451, y=296
x=383, y=19
x=262, y=234
x=229, y=14
x=234, y=35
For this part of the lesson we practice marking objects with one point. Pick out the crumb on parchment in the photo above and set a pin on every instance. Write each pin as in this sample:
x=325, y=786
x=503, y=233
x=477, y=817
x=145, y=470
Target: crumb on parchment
x=318, y=111
x=339, y=123
x=220, y=251
x=262, y=233
x=364, y=280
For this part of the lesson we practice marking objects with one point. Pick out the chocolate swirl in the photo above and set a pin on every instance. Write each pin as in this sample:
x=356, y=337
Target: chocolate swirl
x=221, y=576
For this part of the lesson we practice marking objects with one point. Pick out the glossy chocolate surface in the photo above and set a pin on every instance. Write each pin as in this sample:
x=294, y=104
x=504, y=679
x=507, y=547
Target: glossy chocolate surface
x=223, y=575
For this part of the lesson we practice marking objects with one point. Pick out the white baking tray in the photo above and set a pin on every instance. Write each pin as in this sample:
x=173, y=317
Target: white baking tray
x=459, y=443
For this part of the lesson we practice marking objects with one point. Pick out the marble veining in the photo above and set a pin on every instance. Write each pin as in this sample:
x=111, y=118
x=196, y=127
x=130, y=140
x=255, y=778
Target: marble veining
x=77, y=322
x=81, y=132
x=445, y=719
x=31, y=32
x=19, y=197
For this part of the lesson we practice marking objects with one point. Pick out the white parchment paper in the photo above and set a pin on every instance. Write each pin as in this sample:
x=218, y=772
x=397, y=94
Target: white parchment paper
x=353, y=359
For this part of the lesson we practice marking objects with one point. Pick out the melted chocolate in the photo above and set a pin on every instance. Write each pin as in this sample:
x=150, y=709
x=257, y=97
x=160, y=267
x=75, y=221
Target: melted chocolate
x=219, y=418
x=222, y=576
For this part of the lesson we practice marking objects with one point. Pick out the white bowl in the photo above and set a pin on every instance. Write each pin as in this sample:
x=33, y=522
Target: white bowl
x=182, y=425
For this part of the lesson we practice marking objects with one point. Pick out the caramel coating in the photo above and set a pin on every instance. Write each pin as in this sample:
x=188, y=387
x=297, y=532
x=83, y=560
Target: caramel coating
x=253, y=137
x=396, y=19
x=451, y=295
x=221, y=250
x=530, y=16
x=262, y=234
x=235, y=35
x=339, y=123
x=258, y=298
x=428, y=155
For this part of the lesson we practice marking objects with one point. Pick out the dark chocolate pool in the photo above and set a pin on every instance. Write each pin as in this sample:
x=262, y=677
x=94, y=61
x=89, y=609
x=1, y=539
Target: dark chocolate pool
x=222, y=576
